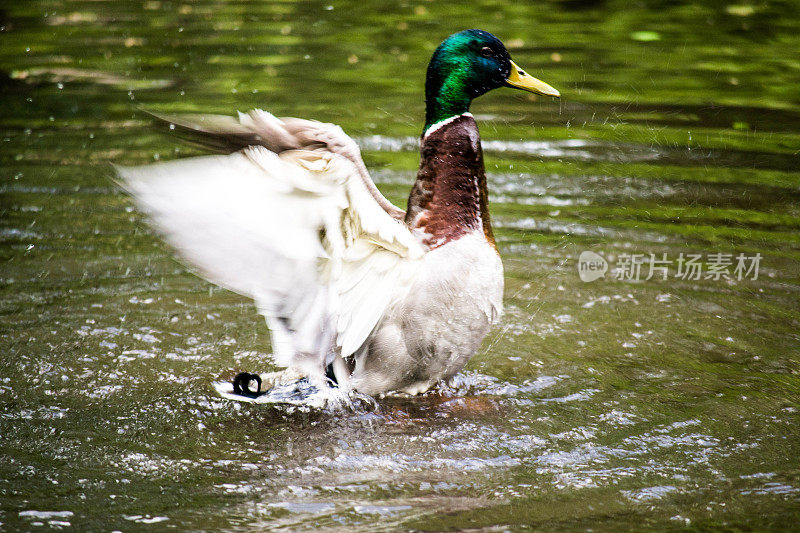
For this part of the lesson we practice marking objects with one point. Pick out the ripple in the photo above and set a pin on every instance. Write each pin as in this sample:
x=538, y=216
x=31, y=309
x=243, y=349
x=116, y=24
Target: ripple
x=650, y=493
x=45, y=515
x=771, y=488
x=145, y=519
x=548, y=225
x=305, y=507
x=382, y=510
x=581, y=149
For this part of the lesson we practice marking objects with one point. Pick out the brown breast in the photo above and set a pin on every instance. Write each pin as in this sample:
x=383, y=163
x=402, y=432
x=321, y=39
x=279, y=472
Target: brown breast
x=449, y=198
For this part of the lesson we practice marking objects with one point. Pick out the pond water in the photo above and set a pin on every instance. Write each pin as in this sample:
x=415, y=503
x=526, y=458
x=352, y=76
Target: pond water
x=668, y=402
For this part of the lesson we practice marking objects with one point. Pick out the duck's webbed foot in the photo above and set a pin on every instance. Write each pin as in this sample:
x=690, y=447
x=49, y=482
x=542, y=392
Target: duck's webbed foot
x=241, y=384
x=243, y=381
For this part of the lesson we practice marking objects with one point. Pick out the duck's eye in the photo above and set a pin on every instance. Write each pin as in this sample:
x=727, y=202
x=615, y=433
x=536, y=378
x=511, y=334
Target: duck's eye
x=487, y=52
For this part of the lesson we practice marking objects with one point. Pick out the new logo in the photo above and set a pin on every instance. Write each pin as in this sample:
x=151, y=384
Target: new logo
x=591, y=266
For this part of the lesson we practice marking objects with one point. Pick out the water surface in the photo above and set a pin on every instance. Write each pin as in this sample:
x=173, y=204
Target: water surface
x=618, y=403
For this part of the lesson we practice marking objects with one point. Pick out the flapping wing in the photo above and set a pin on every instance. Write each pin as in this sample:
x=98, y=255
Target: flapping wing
x=225, y=134
x=297, y=230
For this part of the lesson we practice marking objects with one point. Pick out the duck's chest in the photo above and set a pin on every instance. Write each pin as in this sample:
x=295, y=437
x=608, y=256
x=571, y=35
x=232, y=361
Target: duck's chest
x=458, y=290
x=431, y=333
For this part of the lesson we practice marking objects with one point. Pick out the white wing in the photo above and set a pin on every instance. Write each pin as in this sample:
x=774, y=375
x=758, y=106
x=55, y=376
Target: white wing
x=300, y=232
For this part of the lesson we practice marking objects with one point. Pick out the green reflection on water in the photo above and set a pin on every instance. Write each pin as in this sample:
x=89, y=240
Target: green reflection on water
x=606, y=404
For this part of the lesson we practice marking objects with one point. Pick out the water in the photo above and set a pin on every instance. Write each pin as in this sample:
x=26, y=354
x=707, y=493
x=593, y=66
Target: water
x=660, y=403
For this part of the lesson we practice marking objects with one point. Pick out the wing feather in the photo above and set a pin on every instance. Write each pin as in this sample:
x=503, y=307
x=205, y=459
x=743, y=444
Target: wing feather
x=290, y=221
x=224, y=134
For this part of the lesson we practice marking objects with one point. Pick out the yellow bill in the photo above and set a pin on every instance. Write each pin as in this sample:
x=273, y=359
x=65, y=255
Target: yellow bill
x=522, y=80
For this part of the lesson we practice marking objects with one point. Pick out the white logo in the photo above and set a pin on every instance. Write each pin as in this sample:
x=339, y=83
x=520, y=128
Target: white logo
x=591, y=266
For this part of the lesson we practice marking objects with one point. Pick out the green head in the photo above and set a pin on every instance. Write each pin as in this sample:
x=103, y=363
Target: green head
x=466, y=65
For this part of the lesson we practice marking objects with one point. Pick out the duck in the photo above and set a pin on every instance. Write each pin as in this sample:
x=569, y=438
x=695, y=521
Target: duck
x=357, y=293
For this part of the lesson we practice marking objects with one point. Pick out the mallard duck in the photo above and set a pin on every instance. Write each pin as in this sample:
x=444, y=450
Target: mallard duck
x=354, y=290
